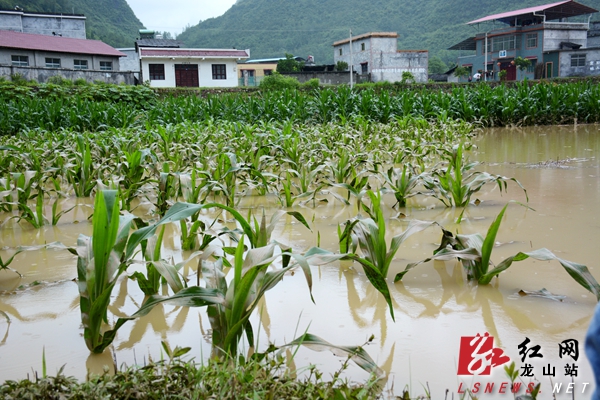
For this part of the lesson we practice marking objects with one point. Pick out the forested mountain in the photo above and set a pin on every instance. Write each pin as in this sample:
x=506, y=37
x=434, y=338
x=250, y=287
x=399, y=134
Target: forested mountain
x=111, y=21
x=270, y=28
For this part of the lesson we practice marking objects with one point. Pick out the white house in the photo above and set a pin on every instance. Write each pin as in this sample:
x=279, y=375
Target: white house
x=171, y=67
x=376, y=56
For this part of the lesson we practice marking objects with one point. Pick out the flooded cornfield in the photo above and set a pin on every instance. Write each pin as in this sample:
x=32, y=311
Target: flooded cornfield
x=434, y=304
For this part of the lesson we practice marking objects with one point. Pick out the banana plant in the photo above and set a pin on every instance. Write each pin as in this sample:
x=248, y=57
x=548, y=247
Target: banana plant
x=475, y=252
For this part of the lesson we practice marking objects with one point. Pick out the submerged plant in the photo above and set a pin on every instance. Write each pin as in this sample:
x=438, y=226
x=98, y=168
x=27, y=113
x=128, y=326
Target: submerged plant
x=376, y=255
x=475, y=252
x=457, y=183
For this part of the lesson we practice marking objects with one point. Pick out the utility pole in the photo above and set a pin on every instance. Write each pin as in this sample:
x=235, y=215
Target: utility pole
x=351, y=74
x=485, y=59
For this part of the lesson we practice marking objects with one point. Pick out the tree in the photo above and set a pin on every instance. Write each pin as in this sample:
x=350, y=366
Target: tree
x=437, y=66
x=341, y=66
x=522, y=63
x=461, y=71
x=289, y=64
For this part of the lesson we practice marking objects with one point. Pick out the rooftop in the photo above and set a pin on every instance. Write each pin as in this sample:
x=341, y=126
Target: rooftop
x=367, y=35
x=175, y=52
x=552, y=11
x=58, y=44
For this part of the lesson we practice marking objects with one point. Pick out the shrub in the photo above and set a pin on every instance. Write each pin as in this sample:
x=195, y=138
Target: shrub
x=277, y=81
x=80, y=82
x=59, y=80
x=312, y=83
x=408, y=77
x=18, y=79
x=341, y=66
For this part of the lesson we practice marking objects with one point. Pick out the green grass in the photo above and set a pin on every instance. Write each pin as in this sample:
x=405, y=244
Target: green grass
x=177, y=379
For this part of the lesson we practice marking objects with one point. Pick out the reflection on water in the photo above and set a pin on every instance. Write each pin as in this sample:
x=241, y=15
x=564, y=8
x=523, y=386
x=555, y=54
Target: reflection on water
x=434, y=306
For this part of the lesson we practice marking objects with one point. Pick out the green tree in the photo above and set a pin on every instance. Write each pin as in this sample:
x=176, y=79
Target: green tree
x=289, y=64
x=437, y=66
x=341, y=66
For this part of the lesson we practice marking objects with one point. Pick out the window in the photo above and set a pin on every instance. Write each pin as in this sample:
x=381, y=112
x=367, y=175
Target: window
x=504, y=43
x=157, y=72
x=218, y=71
x=577, y=60
x=531, y=68
x=531, y=40
x=340, y=52
x=105, y=65
x=80, y=64
x=268, y=72
x=20, y=61
x=362, y=47
x=52, y=62
x=364, y=68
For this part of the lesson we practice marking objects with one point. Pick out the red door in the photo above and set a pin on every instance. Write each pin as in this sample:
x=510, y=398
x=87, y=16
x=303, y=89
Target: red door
x=186, y=75
x=511, y=71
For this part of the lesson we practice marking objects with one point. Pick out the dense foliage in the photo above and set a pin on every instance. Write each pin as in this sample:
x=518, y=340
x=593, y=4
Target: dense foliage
x=270, y=29
x=111, y=21
x=100, y=107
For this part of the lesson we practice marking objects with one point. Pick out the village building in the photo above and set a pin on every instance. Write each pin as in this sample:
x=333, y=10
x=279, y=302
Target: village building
x=39, y=57
x=375, y=56
x=556, y=38
x=175, y=67
x=50, y=24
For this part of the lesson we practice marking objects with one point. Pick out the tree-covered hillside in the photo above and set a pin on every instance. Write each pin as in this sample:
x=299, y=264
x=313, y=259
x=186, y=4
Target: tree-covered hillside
x=111, y=21
x=270, y=28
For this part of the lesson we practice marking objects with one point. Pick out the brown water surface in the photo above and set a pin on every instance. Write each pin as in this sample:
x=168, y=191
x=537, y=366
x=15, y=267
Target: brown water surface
x=434, y=305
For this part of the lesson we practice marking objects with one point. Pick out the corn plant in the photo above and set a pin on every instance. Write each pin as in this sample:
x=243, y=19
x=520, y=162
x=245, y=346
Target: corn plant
x=475, y=252
x=6, y=264
x=456, y=184
x=402, y=184
x=80, y=173
x=376, y=255
x=106, y=255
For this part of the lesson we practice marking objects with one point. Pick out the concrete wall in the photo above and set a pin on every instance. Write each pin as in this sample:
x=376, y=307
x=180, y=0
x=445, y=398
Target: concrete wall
x=592, y=63
x=71, y=26
x=204, y=71
x=41, y=75
x=329, y=78
x=390, y=66
x=131, y=62
x=557, y=32
x=38, y=58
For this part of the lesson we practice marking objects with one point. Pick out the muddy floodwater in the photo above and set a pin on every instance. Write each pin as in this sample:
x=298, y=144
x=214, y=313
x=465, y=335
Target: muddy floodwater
x=434, y=305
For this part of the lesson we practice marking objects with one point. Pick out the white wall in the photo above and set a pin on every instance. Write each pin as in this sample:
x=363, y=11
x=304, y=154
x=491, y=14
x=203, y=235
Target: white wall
x=204, y=71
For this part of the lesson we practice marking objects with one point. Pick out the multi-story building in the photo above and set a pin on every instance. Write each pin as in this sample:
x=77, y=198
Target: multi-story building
x=554, y=37
x=376, y=55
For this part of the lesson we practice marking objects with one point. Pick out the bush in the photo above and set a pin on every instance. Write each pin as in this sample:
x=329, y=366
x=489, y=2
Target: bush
x=80, y=82
x=312, y=83
x=341, y=66
x=59, y=80
x=18, y=79
x=276, y=81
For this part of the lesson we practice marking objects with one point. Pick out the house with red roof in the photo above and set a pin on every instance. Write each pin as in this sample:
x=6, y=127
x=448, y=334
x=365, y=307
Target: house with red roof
x=553, y=37
x=39, y=57
x=176, y=67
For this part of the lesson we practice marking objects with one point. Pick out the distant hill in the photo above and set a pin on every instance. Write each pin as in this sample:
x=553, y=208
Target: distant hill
x=270, y=28
x=111, y=21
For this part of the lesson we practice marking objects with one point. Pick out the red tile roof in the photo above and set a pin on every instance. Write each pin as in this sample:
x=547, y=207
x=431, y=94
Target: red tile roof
x=153, y=52
x=562, y=9
x=28, y=41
